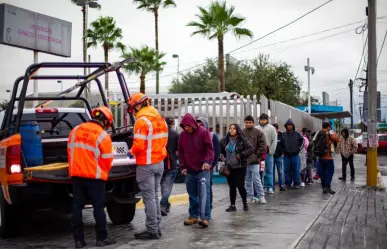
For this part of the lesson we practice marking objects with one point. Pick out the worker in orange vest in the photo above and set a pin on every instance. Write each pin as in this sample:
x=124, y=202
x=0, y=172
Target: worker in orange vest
x=90, y=159
x=149, y=148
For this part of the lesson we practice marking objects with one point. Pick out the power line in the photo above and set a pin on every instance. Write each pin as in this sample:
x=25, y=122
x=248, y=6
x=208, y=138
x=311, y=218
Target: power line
x=286, y=25
x=381, y=49
x=361, y=58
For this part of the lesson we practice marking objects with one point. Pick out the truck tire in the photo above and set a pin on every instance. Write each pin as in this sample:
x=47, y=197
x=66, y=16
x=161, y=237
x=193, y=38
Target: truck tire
x=7, y=219
x=121, y=213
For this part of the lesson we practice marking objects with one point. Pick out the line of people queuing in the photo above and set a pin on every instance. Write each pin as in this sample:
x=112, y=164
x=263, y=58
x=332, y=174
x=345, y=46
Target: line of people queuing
x=158, y=150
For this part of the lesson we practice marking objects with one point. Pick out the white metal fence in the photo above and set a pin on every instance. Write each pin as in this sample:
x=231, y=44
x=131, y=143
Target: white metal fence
x=222, y=110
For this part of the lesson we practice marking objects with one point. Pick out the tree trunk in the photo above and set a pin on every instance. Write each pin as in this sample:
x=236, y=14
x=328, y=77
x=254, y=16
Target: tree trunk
x=142, y=84
x=221, y=86
x=156, y=13
x=106, y=53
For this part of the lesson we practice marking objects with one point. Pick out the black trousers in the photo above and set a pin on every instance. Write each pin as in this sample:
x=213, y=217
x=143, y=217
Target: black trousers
x=345, y=161
x=95, y=191
x=236, y=180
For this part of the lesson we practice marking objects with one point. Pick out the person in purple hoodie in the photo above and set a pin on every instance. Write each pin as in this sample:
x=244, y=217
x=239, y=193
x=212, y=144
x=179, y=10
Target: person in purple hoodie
x=196, y=154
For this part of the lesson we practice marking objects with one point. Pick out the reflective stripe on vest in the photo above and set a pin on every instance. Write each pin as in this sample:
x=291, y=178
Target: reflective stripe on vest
x=72, y=145
x=149, y=138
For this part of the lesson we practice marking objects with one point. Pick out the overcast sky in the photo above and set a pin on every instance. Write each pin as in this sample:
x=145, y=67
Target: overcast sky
x=335, y=57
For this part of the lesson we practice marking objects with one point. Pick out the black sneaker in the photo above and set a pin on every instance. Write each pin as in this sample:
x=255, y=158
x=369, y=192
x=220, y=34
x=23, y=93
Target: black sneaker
x=160, y=233
x=164, y=210
x=352, y=179
x=330, y=191
x=106, y=242
x=342, y=179
x=245, y=207
x=282, y=188
x=325, y=191
x=146, y=236
x=80, y=244
x=231, y=209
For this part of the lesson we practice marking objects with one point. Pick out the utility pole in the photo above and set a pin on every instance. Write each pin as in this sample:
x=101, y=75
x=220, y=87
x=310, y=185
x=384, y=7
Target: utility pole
x=351, y=100
x=308, y=68
x=372, y=153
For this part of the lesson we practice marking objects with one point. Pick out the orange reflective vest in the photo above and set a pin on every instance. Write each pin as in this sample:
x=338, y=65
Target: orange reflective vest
x=150, y=137
x=90, y=152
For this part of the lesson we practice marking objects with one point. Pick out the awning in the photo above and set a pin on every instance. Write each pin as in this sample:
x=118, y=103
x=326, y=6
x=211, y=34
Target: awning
x=329, y=115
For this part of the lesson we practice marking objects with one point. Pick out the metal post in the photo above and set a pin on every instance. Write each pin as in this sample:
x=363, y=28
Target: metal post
x=178, y=69
x=36, y=87
x=372, y=153
x=309, y=107
x=351, y=100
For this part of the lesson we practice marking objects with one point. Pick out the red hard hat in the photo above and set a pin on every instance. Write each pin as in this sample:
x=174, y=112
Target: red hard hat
x=136, y=99
x=108, y=115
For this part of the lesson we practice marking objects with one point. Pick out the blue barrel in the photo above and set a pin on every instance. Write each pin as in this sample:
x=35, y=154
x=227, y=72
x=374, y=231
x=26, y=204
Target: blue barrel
x=31, y=144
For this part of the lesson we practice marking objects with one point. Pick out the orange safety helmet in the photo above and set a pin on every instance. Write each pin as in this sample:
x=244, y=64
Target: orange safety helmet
x=104, y=113
x=136, y=99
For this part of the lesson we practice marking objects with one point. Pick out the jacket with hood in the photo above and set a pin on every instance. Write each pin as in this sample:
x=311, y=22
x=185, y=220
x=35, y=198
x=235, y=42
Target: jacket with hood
x=195, y=148
x=270, y=135
x=170, y=162
x=347, y=146
x=215, y=140
x=292, y=142
x=278, y=150
x=243, y=148
x=258, y=141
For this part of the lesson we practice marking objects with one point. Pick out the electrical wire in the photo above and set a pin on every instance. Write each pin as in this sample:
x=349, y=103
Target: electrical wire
x=381, y=49
x=282, y=27
x=361, y=58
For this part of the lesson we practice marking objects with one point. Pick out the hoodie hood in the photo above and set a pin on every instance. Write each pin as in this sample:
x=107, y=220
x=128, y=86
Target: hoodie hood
x=188, y=119
x=346, y=131
x=204, y=121
x=290, y=122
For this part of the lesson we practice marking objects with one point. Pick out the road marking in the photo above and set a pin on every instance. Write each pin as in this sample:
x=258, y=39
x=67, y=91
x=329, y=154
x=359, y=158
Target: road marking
x=175, y=200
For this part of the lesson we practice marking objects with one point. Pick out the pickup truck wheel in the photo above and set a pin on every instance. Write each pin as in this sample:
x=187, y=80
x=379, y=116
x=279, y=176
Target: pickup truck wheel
x=7, y=219
x=121, y=213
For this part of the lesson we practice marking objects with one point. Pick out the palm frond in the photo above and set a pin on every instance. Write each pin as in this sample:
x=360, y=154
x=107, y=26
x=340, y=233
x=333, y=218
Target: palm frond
x=169, y=3
x=240, y=32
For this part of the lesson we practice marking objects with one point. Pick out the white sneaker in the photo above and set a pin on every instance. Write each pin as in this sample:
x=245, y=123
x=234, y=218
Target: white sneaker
x=302, y=184
x=250, y=200
x=271, y=191
x=262, y=200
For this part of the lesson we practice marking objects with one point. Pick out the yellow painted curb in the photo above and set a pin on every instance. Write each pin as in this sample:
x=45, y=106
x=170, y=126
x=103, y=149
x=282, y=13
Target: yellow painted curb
x=173, y=199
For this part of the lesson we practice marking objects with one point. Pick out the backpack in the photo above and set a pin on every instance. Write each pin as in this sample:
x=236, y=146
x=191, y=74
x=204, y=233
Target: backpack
x=320, y=147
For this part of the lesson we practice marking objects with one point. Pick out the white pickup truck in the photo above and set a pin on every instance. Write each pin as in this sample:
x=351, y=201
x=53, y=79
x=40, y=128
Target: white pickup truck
x=29, y=188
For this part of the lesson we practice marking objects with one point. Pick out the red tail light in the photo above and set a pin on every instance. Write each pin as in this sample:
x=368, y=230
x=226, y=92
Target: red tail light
x=46, y=110
x=13, y=164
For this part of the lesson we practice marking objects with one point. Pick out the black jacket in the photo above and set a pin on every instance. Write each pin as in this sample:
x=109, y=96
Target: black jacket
x=278, y=150
x=292, y=142
x=170, y=162
x=243, y=147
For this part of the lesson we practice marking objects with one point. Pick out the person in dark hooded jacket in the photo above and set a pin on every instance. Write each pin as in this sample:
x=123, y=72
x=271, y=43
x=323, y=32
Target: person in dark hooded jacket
x=202, y=121
x=237, y=149
x=196, y=154
x=292, y=143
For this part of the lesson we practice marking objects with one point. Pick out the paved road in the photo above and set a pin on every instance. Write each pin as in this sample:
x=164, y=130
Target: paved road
x=273, y=226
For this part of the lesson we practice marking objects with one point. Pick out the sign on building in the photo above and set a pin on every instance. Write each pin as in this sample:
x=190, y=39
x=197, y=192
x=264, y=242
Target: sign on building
x=30, y=30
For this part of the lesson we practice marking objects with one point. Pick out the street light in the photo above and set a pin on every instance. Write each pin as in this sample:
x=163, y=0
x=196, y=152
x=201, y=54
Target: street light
x=61, y=90
x=309, y=69
x=178, y=65
x=9, y=91
x=85, y=5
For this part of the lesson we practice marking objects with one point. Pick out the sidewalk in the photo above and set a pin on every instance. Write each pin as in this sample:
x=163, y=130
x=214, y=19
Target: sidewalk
x=353, y=218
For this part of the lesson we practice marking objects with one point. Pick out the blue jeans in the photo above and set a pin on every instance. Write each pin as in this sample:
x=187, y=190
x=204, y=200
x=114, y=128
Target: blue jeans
x=167, y=181
x=199, y=200
x=278, y=163
x=269, y=170
x=292, y=166
x=326, y=169
x=253, y=181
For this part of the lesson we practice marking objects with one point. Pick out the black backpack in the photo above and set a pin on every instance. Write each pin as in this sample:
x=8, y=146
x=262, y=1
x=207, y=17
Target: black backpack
x=320, y=147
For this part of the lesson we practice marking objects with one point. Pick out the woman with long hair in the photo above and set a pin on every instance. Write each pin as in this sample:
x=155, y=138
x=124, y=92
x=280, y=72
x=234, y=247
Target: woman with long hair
x=236, y=149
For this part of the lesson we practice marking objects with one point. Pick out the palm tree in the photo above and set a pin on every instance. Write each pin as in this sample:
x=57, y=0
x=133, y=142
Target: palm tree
x=154, y=6
x=104, y=31
x=215, y=22
x=147, y=60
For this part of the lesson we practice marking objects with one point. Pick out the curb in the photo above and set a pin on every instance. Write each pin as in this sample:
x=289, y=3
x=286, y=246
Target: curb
x=179, y=199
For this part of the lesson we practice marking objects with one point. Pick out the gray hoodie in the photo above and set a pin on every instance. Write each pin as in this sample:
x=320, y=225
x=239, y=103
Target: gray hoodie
x=270, y=135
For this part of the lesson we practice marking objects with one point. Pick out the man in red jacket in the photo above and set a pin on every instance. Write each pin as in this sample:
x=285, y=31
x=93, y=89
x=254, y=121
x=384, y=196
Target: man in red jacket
x=196, y=154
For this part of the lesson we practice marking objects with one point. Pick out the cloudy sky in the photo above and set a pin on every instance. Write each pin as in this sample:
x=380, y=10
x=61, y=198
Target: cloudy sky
x=334, y=54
